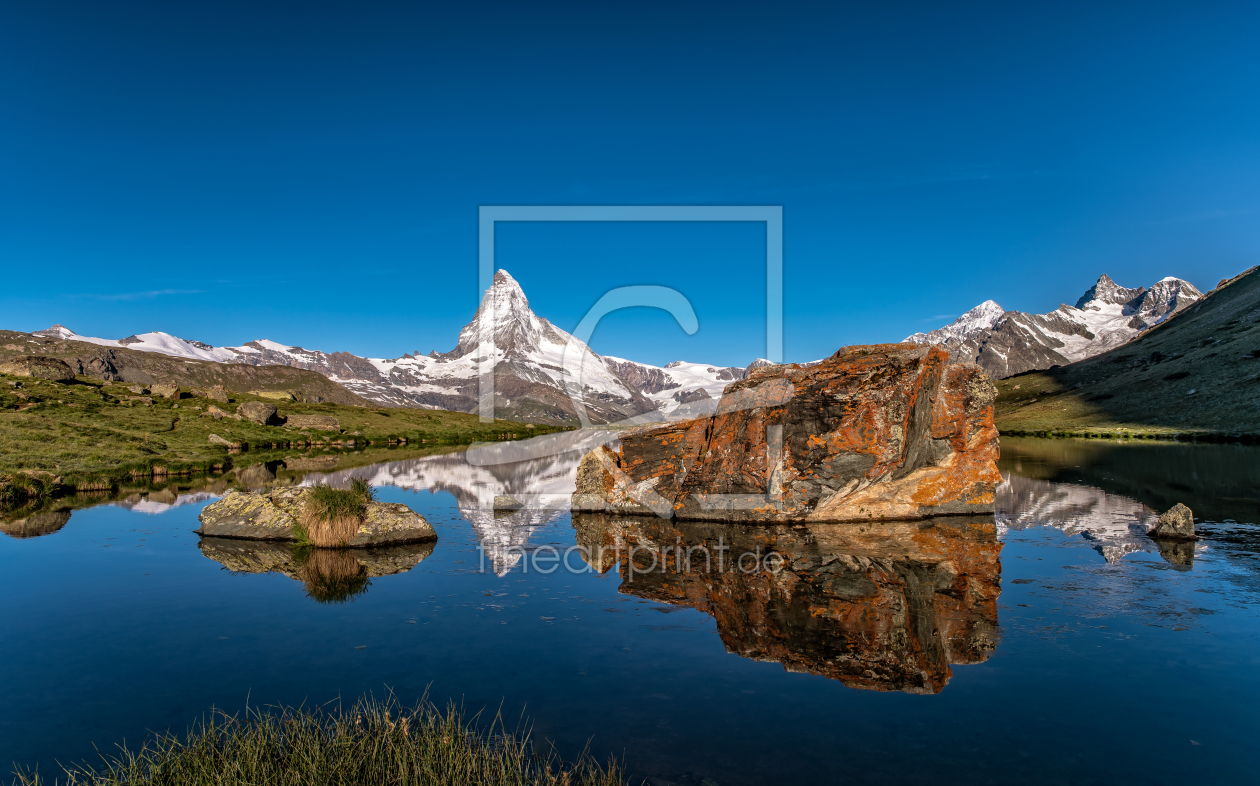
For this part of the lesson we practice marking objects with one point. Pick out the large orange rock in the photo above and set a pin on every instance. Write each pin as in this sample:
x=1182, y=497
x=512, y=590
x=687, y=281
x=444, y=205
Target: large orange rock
x=890, y=431
x=889, y=607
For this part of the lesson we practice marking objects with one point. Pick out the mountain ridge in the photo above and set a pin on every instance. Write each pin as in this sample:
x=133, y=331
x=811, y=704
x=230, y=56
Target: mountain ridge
x=1005, y=343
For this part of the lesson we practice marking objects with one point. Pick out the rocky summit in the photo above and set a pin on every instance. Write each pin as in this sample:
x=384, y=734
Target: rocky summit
x=890, y=431
x=1005, y=343
x=271, y=515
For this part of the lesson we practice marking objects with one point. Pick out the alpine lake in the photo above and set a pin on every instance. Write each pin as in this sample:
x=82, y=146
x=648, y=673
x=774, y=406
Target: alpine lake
x=1053, y=643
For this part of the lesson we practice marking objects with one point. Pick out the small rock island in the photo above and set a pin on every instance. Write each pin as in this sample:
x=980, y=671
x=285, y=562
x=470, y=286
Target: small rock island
x=881, y=432
x=277, y=514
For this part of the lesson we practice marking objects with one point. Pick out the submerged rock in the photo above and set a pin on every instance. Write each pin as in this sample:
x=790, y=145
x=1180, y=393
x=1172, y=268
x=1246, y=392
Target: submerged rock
x=1176, y=524
x=888, y=431
x=272, y=515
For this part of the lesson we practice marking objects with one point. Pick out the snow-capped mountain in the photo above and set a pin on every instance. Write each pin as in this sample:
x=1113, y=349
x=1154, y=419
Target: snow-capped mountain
x=1005, y=343
x=529, y=373
x=680, y=389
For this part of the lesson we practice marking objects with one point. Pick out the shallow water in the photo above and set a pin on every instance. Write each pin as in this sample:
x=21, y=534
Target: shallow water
x=1053, y=644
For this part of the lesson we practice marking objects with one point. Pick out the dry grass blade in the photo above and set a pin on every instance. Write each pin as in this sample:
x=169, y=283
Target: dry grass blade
x=332, y=517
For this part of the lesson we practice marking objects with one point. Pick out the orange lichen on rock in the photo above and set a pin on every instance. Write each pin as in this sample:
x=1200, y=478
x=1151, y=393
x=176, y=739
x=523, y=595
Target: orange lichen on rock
x=890, y=431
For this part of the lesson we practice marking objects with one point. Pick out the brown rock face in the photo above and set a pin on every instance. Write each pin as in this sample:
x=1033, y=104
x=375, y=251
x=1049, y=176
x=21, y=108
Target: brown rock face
x=38, y=367
x=889, y=607
x=887, y=431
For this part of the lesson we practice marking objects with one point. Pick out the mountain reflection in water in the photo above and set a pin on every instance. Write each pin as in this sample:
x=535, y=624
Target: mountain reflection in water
x=888, y=606
x=1114, y=524
x=508, y=492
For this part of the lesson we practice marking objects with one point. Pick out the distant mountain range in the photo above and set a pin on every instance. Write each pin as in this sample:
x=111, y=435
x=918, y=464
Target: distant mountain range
x=529, y=355
x=1005, y=343
x=528, y=368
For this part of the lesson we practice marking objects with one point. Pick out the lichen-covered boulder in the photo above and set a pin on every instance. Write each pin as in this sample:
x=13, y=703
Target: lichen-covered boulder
x=245, y=514
x=272, y=515
x=890, y=431
x=257, y=412
x=38, y=367
x=1176, y=524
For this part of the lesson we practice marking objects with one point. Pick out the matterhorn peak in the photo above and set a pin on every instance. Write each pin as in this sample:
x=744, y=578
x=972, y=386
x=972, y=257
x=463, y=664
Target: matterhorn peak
x=503, y=279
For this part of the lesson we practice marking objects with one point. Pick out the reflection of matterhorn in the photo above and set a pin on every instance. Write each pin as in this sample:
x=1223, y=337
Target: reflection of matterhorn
x=1116, y=525
x=506, y=491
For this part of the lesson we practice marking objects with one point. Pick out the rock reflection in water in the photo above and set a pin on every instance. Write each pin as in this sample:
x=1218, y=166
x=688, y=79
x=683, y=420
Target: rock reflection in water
x=888, y=606
x=329, y=575
x=35, y=524
x=1116, y=525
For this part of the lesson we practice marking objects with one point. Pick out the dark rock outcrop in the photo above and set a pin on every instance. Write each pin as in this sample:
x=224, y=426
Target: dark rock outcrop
x=38, y=367
x=889, y=431
x=259, y=412
x=888, y=608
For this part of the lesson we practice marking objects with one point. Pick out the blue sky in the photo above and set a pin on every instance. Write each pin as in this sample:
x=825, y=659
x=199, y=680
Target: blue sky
x=311, y=173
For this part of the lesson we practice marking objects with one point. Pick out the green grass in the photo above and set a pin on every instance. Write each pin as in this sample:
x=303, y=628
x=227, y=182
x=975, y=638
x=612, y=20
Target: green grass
x=331, y=516
x=89, y=432
x=375, y=743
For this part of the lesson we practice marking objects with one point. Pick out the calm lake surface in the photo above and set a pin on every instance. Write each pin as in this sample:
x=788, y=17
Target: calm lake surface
x=1055, y=644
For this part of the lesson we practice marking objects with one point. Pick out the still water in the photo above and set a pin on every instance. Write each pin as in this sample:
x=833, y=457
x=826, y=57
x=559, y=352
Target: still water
x=1053, y=643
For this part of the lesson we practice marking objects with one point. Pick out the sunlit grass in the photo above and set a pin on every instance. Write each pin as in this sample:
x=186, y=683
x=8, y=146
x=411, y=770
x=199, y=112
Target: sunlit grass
x=375, y=742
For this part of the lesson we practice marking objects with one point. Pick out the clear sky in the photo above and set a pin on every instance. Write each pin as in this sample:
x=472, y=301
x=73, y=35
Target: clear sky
x=311, y=172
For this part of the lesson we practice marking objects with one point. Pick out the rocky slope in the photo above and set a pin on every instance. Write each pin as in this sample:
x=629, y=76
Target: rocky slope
x=1196, y=372
x=680, y=389
x=120, y=363
x=1005, y=343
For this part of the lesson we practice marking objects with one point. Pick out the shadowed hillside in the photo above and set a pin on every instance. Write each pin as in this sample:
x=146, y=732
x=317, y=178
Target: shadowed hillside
x=147, y=368
x=1197, y=373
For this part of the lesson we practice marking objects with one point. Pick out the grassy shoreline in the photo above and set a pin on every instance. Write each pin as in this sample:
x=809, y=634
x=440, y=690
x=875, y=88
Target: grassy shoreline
x=92, y=436
x=374, y=743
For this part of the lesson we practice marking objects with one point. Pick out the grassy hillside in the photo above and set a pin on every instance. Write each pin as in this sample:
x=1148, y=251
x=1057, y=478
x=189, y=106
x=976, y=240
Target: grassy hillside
x=87, y=431
x=147, y=368
x=1196, y=374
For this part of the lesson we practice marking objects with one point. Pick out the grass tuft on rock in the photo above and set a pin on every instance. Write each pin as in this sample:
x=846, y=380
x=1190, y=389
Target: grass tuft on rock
x=331, y=517
x=374, y=743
